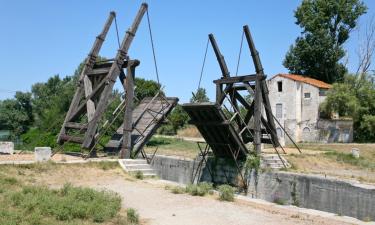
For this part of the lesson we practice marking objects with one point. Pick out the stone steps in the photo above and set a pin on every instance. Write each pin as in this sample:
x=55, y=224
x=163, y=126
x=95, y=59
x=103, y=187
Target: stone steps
x=273, y=161
x=135, y=165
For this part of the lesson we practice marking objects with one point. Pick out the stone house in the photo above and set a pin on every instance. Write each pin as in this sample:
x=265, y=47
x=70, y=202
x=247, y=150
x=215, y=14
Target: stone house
x=295, y=103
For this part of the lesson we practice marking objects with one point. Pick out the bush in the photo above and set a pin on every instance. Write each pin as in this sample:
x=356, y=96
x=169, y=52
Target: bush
x=139, y=175
x=68, y=203
x=226, y=193
x=200, y=189
x=132, y=216
x=178, y=190
x=279, y=201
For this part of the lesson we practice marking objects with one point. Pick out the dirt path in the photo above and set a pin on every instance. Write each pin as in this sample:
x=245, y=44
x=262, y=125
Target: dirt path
x=158, y=206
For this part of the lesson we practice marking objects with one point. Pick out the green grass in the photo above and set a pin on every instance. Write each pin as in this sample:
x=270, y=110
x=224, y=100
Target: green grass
x=26, y=204
x=173, y=146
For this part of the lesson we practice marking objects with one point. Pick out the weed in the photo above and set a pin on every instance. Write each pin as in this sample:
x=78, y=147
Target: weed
x=200, y=189
x=367, y=219
x=279, y=201
x=132, y=216
x=107, y=165
x=226, y=193
x=67, y=203
x=178, y=190
x=139, y=175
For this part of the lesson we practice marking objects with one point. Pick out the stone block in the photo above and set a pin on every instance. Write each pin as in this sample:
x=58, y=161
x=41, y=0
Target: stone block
x=6, y=147
x=355, y=153
x=42, y=154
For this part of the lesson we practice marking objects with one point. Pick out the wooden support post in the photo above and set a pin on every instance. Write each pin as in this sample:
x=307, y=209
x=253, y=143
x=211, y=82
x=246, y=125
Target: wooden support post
x=111, y=77
x=127, y=144
x=89, y=63
x=263, y=86
x=257, y=117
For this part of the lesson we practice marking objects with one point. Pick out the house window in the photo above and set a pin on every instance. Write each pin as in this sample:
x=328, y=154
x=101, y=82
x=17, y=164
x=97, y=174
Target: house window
x=307, y=95
x=279, y=110
x=322, y=92
x=280, y=86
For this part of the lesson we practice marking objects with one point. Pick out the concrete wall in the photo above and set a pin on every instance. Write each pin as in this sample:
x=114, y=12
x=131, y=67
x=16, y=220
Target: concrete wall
x=308, y=191
x=6, y=147
x=335, y=131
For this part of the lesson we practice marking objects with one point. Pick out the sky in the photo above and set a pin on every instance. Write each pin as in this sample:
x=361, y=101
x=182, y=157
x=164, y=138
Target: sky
x=42, y=38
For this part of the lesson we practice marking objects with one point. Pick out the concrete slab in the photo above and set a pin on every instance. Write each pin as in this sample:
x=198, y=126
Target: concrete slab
x=6, y=147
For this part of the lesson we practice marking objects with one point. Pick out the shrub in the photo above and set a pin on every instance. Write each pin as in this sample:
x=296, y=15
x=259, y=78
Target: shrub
x=68, y=203
x=178, y=190
x=226, y=193
x=132, y=216
x=200, y=189
x=139, y=175
x=279, y=201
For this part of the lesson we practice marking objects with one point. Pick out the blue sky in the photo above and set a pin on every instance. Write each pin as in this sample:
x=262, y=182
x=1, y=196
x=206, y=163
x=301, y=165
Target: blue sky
x=41, y=38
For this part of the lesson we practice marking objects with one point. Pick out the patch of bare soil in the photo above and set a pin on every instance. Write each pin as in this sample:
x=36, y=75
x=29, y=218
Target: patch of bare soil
x=158, y=206
x=30, y=157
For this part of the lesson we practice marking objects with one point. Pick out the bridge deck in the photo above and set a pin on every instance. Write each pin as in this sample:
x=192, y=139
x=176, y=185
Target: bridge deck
x=216, y=129
x=147, y=118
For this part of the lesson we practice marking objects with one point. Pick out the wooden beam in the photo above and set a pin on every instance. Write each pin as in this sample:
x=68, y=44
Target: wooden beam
x=237, y=79
x=127, y=144
x=219, y=56
x=89, y=63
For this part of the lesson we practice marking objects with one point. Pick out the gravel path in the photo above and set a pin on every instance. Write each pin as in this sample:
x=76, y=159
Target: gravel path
x=157, y=206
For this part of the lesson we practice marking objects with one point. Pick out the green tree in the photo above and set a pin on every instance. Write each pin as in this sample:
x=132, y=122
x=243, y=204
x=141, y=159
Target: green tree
x=16, y=114
x=326, y=25
x=200, y=96
x=146, y=88
x=178, y=118
x=354, y=98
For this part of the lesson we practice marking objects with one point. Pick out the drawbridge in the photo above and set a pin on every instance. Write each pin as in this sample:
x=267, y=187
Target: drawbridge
x=241, y=114
x=86, y=123
x=147, y=117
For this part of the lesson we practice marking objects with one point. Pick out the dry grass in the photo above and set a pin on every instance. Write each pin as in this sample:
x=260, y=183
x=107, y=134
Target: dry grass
x=336, y=160
x=189, y=131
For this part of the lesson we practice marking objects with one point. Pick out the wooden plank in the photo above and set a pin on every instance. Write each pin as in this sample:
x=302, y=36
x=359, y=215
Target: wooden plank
x=77, y=126
x=73, y=139
x=237, y=79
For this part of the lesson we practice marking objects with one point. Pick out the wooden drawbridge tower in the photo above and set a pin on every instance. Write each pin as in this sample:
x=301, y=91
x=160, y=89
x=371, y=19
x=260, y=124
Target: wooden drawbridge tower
x=228, y=131
x=92, y=96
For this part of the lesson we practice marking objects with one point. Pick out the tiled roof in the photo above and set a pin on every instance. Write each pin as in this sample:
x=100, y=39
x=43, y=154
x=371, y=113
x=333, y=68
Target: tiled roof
x=307, y=80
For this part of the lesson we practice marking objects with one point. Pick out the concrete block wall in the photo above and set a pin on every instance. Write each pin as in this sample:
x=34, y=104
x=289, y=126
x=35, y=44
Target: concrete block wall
x=303, y=190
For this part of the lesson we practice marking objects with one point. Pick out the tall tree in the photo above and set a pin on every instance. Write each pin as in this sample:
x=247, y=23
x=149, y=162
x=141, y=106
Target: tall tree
x=326, y=25
x=200, y=96
x=16, y=114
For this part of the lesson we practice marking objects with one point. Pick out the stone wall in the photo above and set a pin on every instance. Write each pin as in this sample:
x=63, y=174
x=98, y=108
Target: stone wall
x=335, y=131
x=308, y=191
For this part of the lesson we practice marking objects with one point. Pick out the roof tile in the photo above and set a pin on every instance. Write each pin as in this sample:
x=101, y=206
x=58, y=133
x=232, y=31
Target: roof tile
x=307, y=80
